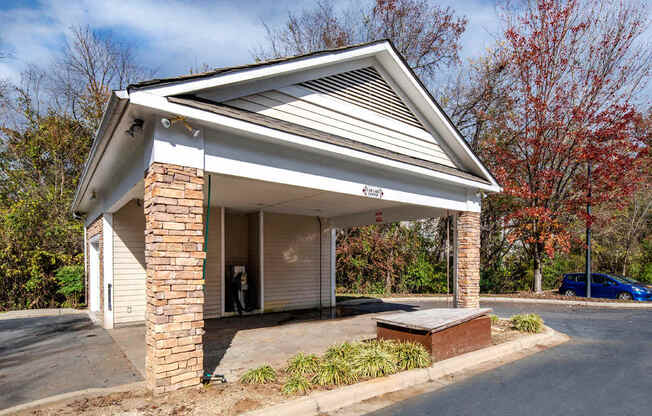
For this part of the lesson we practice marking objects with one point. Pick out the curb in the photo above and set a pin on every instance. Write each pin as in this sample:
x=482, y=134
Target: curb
x=328, y=401
x=614, y=305
x=35, y=313
x=71, y=395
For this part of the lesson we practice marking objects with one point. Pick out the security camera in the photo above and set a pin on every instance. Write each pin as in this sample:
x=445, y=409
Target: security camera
x=166, y=123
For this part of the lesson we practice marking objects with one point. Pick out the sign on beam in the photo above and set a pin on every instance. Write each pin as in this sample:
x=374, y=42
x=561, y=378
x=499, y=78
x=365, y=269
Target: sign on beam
x=372, y=191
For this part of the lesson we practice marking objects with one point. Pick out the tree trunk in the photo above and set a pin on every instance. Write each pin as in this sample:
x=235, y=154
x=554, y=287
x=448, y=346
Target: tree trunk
x=537, y=270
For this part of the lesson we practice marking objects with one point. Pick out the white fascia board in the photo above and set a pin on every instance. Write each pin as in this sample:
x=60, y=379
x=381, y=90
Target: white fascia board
x=100, y=142
x=424, y=97
x=266, y=71
x=243, y=127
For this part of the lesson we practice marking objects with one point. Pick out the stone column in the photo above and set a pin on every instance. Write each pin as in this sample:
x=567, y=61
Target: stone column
x=174, y=239
x=468, y=260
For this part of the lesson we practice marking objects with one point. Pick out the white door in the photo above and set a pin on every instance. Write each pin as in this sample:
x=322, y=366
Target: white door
x=94, y=276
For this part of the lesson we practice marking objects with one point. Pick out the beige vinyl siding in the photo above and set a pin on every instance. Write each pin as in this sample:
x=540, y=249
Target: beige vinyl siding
x=291, y=261
x=213, y=293
x=129, y=273
x=321, y=111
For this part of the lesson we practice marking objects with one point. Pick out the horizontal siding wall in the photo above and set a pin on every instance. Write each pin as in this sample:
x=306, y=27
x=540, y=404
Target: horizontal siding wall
x=327, y=113
x=129, y=264
x=291, y=261
x=213, y=293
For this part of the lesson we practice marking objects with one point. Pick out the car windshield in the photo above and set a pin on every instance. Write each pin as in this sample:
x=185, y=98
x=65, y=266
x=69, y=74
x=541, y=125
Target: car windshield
x=623, y=279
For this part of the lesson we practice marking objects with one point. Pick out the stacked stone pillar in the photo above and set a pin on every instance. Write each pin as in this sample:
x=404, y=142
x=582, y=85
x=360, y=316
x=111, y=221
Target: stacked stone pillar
x=174, y=254
x=468, y=260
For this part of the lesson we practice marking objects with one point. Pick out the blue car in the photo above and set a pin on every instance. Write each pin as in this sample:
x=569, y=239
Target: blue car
x=603, y=285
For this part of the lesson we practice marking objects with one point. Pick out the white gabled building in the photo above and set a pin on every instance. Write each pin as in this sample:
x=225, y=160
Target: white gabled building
x=257, y=166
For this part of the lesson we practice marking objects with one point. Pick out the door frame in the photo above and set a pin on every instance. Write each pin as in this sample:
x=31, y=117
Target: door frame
x=94, y=274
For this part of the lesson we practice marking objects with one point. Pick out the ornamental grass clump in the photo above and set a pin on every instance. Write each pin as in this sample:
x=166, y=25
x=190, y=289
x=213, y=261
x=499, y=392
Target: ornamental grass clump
x=335, y=371
x=302, y=364
x=494, y=319
x=530, y=322
x=296, y=384
x=260, y=375
x=343, y=351
x=411, y=355
x=374, y=361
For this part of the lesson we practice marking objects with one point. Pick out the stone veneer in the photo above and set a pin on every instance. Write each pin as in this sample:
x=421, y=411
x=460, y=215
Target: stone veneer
x=174, y=255
x=468, y=260
x=95, y=228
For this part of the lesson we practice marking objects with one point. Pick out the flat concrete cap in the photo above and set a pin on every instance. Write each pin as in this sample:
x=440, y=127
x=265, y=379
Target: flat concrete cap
x=433, y=320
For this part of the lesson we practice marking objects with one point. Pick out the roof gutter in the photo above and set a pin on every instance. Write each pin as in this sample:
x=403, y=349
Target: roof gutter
x=115, y=109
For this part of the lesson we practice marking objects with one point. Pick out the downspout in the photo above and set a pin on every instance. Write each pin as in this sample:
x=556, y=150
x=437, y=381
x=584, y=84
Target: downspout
x=320, y=264
x=208, y=217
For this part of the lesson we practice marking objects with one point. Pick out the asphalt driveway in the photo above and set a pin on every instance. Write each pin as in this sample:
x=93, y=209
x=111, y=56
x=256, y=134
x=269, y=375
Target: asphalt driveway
x=605, y=369
x=44, y=356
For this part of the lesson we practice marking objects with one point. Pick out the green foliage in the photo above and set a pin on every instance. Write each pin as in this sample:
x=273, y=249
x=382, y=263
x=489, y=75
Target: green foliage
x=410, y=355
x=302, y=364
x=527, y=323
x=342, y=351
x=374, y=362
x=336, y=371
x=260, y=375
x=296, y=384
x=494, y=319
x=71, y=281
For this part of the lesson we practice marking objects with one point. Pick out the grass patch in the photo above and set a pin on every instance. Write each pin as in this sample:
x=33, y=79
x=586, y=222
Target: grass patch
x=303, y=364
x=494, y=319
x=261, y=375
x=411, y=355
x=296, y=384
x=530, y=322
x=336, y=371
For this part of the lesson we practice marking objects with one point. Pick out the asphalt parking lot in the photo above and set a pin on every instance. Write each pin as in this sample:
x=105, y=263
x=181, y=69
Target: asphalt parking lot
x=605, y=369
x=44, y=356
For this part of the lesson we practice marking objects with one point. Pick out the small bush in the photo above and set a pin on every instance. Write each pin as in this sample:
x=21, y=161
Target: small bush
x=527, y=323
x=343, y=351
x=71, y=283
x=375, y=361
x=380, y=344
x=494, y=319
x=261, y=375
x=411, y=355
x=303, y=364
x=334, y=372
x=296, y=384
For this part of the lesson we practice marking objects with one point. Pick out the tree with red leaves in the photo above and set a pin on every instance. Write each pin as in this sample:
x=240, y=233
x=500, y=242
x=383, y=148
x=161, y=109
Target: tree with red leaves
x=573, y=72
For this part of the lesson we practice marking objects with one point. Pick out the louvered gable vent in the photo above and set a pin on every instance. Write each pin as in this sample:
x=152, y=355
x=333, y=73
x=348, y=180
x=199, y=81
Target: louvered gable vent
x=367, y=88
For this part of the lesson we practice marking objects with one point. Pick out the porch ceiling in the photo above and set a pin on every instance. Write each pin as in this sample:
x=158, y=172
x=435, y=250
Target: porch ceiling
x=248, y=195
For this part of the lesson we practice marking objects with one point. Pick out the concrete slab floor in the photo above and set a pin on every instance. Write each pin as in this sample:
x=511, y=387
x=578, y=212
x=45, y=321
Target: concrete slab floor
x=235, y=344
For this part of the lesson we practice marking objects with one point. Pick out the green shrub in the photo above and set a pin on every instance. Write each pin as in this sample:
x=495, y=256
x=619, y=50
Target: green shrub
x=303, y=364
x=335, y=371
x=494, y=319
x=296, y=384
x=71, y=282
x=411, y=355
x=375, y=361
x=343, y=351
x=530, y=322
x=261, y=375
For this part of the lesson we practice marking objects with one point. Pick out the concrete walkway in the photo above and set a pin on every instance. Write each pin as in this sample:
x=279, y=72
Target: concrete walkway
x=234, y=345
x=50, y=355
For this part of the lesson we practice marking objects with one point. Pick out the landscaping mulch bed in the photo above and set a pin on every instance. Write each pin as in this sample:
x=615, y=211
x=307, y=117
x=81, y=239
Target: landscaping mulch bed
x=216, y=399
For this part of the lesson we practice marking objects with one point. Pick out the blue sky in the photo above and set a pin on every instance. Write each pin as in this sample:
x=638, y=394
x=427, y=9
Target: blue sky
x=173, y=36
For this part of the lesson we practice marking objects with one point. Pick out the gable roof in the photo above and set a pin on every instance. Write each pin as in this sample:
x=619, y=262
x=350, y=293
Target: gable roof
x=288, y=127
x=381, y=49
